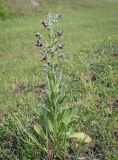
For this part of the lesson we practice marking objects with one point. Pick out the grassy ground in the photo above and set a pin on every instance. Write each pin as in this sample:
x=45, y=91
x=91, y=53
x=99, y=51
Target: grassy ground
x=91, y=39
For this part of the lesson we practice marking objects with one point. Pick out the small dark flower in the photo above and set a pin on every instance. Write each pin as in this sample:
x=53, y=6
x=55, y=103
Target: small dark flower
x=45, y=24
x=39, y=43
x=48, y=62
x=60, y=33
x=38, y=35
x=43, y=58
x=58, y=16
x=61, y=46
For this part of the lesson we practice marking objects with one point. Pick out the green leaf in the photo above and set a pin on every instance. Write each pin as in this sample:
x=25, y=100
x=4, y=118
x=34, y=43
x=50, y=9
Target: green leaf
x=38, y=129
x=62, y=127
x=67, y=117
x=50, y=125
x=31, y=137
x=81, y=137
x=60, y=116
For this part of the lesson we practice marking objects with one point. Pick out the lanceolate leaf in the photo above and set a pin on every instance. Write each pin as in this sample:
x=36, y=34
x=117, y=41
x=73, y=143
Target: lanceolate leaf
x=68, y=113
x=50, y=125
x=38, y=129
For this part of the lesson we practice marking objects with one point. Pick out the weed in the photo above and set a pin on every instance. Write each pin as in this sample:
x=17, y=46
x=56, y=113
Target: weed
x=54, y=127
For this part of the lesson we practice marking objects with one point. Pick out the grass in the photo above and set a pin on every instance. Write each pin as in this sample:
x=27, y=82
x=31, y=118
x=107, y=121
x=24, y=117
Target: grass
x=91, y=40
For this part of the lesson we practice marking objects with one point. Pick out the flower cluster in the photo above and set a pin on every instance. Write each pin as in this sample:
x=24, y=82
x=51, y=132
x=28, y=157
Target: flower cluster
x=50, y=49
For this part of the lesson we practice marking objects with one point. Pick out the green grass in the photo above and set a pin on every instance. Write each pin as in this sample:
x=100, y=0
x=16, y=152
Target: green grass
x=91, y=47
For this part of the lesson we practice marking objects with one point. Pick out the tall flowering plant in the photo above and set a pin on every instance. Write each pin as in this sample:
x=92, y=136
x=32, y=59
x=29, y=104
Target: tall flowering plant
x=55, y=116
x=53, y=131
x=57, y=119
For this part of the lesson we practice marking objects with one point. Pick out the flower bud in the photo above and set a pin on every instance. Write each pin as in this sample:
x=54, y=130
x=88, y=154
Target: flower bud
x=38, y=35
x=48, y=62
x=43, y=58
x=60, y=33
x=45, y=66
x=61, y=55
x=39, y=44
x=61, y=46
x=52, y=50
x=58, y=16
x=45, y=24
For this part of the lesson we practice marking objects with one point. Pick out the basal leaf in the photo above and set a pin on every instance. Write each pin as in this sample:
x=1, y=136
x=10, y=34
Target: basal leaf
x=80, y=137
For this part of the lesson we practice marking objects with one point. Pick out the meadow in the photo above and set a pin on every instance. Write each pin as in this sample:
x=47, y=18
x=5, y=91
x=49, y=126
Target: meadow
x=90, y=69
